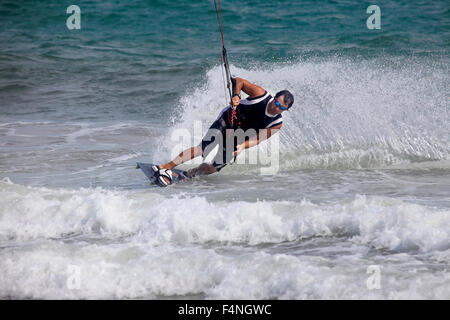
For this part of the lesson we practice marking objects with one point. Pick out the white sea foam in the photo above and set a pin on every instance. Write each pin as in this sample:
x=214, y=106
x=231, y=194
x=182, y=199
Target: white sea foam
x=135, y=271
x=30, y=213
x=39, y=213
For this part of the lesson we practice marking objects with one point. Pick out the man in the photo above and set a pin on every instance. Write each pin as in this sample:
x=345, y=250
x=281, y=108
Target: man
x=259, y=113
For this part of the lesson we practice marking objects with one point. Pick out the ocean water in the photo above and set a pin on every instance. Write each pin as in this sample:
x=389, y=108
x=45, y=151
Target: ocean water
x=358, y=208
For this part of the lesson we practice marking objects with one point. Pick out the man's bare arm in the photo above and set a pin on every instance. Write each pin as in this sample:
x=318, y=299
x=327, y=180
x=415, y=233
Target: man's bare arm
x=260, y=137
x=249, y=88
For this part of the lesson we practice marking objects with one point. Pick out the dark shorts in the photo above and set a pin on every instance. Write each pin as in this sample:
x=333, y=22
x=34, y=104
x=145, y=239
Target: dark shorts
x=217, y=135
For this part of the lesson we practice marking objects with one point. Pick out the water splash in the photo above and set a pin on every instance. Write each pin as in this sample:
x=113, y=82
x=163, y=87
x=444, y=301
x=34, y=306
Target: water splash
x=347, y=113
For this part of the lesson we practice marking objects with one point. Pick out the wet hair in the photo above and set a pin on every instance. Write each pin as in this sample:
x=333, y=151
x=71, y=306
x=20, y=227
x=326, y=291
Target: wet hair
x=288, y=97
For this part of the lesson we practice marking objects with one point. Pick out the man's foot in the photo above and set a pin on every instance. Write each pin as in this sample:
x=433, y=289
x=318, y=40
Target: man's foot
x=163, y=175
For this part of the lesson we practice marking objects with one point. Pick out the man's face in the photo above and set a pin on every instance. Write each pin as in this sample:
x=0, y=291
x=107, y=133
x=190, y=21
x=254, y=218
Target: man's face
x=278, y=105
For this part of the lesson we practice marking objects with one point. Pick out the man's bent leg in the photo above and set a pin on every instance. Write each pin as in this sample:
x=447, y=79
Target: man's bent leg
x=214, y=135
x=202, y=169
x=184, y=156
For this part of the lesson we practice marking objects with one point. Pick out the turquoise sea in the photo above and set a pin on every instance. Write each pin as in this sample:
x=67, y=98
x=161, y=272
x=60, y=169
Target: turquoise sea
x=363, y=167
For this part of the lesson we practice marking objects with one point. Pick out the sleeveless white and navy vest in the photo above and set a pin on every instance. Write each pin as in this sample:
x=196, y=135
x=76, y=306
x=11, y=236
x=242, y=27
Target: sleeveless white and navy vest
x=252, y=113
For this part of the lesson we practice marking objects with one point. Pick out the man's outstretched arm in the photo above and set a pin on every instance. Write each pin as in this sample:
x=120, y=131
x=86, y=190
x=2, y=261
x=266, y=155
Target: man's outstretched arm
x=260, y=137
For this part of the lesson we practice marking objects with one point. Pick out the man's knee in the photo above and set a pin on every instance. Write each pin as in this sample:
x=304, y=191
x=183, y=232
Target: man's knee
x=206, y=168
x=202, y=169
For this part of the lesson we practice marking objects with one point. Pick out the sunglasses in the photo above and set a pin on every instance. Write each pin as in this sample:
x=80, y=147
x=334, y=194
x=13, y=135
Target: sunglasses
x=280, y=106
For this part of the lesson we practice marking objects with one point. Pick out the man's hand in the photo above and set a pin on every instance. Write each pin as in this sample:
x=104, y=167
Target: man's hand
x=235, y=101
x=239, y=149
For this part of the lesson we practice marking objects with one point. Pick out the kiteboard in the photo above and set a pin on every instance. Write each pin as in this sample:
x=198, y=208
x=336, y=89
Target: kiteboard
x=150, y=174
